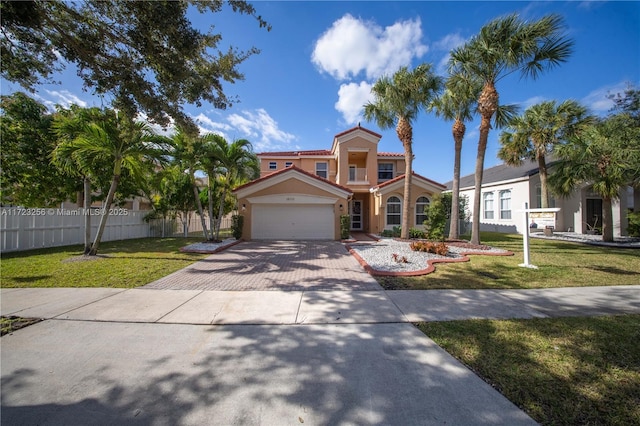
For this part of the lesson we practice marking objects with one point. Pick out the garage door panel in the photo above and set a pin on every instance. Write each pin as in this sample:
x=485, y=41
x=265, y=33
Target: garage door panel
x=292, y=222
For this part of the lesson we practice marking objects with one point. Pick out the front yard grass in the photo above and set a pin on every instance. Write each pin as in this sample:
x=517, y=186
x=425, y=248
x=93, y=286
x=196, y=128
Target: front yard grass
x=561, y=264
x=122, y=264
x=565, y=371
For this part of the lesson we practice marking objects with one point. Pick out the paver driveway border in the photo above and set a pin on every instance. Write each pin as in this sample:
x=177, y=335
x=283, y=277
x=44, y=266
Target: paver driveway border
x=273, y=265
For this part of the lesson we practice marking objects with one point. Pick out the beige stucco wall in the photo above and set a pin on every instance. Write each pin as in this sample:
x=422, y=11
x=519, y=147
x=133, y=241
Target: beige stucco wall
x=291, y=186
x=380, y=210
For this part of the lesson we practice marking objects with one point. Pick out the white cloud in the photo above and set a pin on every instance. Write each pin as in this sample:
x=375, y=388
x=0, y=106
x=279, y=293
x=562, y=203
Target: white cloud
x=597, y=100
x=207, y=125
x=352, y=46
x=351, y=99
x=261, y=130
x=447, y=44
x=63, y=98
x=532, y=101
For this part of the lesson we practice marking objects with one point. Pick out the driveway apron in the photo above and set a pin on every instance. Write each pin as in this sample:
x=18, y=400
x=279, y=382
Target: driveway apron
x=273, y=265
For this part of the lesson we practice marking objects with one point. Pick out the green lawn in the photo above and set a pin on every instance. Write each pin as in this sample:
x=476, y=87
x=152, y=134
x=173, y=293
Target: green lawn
x=566, y=371
x=561, y=264
x=128, y=263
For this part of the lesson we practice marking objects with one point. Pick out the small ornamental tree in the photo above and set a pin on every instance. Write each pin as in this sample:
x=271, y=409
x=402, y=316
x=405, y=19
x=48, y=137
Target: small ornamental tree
x=436, y=219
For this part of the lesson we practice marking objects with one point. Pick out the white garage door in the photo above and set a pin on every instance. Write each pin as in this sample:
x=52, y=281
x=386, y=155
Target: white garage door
x=292, y=222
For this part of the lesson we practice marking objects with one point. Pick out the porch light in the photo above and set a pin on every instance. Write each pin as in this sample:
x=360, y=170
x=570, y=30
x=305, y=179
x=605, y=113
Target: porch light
x=244, y=207
x=341, y=207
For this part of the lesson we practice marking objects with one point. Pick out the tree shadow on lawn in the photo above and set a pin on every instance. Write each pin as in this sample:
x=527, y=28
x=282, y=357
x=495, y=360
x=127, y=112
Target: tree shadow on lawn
x=575, y=381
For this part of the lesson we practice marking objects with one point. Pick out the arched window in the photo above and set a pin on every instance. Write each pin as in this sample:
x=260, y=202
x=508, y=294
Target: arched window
x=422, y=207
x=394, y=211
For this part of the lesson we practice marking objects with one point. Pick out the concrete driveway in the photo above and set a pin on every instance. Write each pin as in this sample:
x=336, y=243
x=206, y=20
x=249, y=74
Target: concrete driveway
x=273, y=265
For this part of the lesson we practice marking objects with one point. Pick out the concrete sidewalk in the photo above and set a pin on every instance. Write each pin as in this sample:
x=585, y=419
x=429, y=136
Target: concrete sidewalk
x=313, y=307
x=191, y=357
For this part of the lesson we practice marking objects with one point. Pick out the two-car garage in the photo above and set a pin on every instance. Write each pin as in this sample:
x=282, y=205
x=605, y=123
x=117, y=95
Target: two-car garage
x=292, y=222
x=292, y=204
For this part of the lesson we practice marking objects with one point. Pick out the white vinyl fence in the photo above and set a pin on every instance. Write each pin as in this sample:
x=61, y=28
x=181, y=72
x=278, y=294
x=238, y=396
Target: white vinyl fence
x=30, y=228
x=25, y=229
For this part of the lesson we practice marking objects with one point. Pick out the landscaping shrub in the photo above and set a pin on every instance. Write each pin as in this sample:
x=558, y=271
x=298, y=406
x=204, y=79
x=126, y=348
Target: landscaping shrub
x=430, y=247
x=436, y=219
x=237, y=223
x=395, y=232
x=415, y=233
x=634, y=224
x=345, y=223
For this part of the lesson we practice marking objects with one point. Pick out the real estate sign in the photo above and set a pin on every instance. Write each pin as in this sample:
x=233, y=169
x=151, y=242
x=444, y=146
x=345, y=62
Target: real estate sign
x=542, y=220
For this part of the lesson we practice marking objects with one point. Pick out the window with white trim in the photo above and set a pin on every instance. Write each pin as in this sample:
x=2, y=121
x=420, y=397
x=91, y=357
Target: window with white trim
x=322, y=170
x=552, y=201
x=273, y=165
x=288, y=164
x=385, y=171
x=487, y=203
x=505, y=204
x=422, y=207
x=394, y=211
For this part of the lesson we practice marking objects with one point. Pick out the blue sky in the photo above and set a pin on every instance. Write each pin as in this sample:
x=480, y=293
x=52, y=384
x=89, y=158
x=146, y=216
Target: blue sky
x=318, y=63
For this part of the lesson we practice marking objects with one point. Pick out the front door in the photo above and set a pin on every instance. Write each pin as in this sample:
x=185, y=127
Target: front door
x=594, y=213
x=356, y=215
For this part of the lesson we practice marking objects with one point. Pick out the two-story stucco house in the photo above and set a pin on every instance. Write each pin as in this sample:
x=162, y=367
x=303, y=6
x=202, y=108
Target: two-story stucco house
x=302, y=194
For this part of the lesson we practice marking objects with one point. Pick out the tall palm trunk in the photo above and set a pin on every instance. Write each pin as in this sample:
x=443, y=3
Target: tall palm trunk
x=487, y=106
x=196, y=194
x=405, y=134
x=220, y=212
x=87, y=217
x=607, y=220
x=544, y=191
x=105, y=210
x=211, y=218
x=458, y=131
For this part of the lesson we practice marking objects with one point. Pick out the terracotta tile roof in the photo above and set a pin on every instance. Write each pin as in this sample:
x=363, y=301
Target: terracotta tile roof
x=294, y=153
x=358, y=128
x=288, y=169
x=390, y=154
x=398, y=178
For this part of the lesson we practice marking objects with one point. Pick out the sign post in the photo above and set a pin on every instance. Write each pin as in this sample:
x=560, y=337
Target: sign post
x=525, y=234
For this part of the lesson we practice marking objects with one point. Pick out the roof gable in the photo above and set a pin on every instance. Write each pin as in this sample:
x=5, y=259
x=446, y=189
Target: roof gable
x=291, y=172
x=416, y=179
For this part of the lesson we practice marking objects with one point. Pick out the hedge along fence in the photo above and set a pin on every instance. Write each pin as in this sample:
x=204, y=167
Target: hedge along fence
x=31, y=228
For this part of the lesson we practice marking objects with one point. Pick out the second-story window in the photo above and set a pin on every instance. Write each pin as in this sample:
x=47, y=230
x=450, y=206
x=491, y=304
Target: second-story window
x=288, y=164
x=385, y=171
x=273, y=165
x=322, y=170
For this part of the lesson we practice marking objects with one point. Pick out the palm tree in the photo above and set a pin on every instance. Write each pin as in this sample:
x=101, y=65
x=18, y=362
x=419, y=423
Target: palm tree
x=188, y=152
x=120, y=141
x=68, y=124
x=236, y=164
x=502, y=47
x=535, y=134
x=398, y=100
x=606, y=156
x=457, y=103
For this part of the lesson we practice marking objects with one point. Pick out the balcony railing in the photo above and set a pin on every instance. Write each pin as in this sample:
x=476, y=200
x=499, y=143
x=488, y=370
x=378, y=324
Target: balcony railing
x=357, y=175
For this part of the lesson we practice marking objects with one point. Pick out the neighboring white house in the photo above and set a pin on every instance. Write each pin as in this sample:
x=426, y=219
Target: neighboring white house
x=505, y=189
